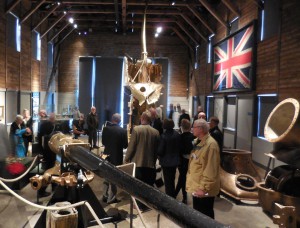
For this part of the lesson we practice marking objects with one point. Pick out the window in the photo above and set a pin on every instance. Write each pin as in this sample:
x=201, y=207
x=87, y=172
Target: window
x=269, y=18
x=209, y=47
x=50, y=55
x=210, y=105
x=266, y=103
x=36, y=45
x=230, y=123
x=13, y=32
x=197, y=57
x=234, y=25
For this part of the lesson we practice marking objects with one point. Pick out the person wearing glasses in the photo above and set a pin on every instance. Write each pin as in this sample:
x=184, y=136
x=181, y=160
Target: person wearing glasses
x=203, y=176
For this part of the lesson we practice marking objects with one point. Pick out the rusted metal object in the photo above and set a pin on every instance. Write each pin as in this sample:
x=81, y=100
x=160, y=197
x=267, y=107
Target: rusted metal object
x=238, y=175
x=284, y=216
x=268, y=199
x=282, y=184
x=283, y=123
x=54, y=174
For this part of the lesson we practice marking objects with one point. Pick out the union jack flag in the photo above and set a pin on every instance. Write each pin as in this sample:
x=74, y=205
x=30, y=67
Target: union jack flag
x=232, y=61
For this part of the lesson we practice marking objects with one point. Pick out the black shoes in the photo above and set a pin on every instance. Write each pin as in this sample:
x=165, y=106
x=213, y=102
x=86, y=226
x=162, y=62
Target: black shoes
x=115, y=200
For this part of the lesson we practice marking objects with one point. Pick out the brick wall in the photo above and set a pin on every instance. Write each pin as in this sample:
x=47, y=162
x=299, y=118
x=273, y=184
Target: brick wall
x=277, y=57
x=110, y=45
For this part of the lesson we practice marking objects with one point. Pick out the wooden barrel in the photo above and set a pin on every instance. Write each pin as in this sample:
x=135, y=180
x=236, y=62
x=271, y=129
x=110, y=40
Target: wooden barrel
x=62, y=218
x=283, y=123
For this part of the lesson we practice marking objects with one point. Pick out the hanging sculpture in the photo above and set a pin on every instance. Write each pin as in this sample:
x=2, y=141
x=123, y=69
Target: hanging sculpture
x=143, y=79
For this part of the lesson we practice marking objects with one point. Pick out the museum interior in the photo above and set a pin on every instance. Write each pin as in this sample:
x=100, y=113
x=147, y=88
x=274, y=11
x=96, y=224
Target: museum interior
x=96, y=98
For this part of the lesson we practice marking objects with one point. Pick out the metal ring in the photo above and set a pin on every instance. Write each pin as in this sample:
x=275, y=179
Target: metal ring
x=242, y=186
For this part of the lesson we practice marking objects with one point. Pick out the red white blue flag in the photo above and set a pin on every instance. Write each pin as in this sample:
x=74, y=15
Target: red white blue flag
x=233, y=61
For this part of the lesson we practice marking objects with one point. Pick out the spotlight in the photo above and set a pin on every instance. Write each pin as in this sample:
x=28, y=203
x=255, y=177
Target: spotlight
x=75, y=25
x=71, y=20
x=79, y=33
x=156, y=35
x=85, y=33
x=159, y=29
x=173, y=3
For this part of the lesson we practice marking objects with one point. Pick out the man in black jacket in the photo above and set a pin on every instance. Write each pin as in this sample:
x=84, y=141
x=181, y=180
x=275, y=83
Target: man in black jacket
x=114, y=138
x=93, y=124
x=215, y=132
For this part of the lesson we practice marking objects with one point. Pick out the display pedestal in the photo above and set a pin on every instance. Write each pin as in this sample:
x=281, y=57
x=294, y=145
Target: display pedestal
x=73, y=195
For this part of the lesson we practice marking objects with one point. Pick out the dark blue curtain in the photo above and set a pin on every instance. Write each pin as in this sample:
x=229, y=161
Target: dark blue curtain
x=85, y=84
x=108, y=87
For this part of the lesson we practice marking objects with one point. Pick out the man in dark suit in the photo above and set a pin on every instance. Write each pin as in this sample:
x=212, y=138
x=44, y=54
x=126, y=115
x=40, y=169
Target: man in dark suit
x=93, y=124
x=47, y=128
x=215, y=132
x=183, y=115
x=142, y=150
x=114, y=138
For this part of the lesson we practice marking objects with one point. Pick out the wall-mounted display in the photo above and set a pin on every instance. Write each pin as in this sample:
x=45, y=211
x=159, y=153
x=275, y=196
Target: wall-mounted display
x=233, y=61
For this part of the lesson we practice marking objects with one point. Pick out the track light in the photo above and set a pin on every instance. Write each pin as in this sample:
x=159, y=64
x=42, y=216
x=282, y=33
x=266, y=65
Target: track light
x=159, y=29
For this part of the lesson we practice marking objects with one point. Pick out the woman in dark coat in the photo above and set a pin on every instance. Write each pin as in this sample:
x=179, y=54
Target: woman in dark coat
x=169, y=155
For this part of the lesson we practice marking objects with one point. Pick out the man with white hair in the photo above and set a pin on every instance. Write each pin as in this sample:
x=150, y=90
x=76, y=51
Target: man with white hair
x=203, y=177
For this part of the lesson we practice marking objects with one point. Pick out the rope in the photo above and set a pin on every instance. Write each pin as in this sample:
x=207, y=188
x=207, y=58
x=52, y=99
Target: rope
x=23, y=175
x=52, y=208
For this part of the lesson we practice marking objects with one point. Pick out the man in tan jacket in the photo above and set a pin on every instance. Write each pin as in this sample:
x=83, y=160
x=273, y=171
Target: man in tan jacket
x=203, y=177
x=142, y=150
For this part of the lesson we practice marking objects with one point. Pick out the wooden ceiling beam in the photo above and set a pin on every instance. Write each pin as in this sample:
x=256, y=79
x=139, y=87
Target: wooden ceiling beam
x=134, y=19
x=31, y=11
x=55, y=22
x=46, y=16
x=232, y=7
x=155, y=12
x=189, y=21
x=62, y=39
x=12, y=5
x=258, y=3
x=59, y=31
x=187, y=32
x=183, y=38
x=129, y=3
x=213, y=12
x=201, y=19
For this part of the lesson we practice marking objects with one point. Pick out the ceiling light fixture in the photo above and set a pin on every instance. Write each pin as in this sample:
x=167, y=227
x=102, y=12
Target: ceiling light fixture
x=156, y=35
x=71, y=20
x=75, y=25
x=159, y=29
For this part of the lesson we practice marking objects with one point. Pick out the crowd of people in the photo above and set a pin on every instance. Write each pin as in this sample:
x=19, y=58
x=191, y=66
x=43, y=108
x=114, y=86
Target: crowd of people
x=194, y=150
